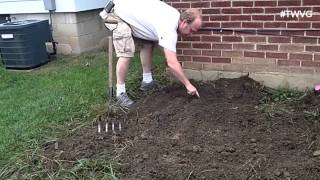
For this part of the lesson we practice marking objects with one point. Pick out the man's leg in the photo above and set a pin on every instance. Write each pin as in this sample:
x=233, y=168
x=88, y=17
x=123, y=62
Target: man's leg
x=122, y=69
x=121, y=72
x=146, y=57
x=146, y=54
x=124, y=47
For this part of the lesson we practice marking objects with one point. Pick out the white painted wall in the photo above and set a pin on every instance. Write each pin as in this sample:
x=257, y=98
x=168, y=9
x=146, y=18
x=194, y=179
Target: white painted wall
x=37, y=6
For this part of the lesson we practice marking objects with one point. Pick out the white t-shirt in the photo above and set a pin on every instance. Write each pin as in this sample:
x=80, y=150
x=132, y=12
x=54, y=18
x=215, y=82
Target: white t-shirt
x=151, y=20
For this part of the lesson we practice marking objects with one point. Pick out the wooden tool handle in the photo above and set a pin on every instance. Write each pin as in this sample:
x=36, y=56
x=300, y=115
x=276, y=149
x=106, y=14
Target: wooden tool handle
x=110, y=66
x=110, y=21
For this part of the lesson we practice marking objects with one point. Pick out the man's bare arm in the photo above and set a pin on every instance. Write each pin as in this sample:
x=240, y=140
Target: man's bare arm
x=177, y=71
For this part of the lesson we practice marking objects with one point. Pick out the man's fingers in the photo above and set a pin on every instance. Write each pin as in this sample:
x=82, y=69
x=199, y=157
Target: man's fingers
x=197, y=94
x=191, y=92
x=194, y=93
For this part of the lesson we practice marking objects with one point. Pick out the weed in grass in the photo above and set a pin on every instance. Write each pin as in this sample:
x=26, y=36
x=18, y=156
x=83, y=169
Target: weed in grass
x=279, y=95
x=273, y=103
x=271, y=100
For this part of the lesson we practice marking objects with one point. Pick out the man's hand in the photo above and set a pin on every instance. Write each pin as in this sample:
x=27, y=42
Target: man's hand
x=176, y=69
x=192, y=90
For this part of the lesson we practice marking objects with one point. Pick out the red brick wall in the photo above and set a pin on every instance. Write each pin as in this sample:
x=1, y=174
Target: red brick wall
x=261, y=42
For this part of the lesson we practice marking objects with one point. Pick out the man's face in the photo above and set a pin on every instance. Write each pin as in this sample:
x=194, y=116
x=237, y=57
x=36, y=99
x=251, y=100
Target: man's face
x=186, y=29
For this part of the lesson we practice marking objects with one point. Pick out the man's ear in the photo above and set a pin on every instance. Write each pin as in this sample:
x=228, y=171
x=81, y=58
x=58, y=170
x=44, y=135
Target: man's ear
x=184, y=22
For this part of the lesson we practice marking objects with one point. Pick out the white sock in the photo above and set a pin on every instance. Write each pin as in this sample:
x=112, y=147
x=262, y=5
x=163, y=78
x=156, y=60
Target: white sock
x=147, y=77
x=121, y=88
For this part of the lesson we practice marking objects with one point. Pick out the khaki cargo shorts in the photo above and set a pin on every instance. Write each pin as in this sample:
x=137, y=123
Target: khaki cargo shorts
x=122, y=37
x=123, y=41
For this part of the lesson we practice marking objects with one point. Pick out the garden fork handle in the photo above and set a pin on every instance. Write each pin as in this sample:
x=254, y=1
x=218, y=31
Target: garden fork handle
x=109, y=21
x=110, y=66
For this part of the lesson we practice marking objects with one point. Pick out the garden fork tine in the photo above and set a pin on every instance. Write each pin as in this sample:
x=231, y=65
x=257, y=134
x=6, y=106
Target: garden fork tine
x=114, y=127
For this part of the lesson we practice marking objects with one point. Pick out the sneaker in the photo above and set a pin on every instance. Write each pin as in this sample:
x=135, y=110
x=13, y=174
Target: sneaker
x=124, y=101
x=153, y=85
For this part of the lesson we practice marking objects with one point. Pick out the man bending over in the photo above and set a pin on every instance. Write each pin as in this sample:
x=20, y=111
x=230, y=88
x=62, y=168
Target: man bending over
x=147, y=22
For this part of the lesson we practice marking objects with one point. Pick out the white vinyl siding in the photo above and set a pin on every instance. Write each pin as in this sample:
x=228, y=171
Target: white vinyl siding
x=37, y=6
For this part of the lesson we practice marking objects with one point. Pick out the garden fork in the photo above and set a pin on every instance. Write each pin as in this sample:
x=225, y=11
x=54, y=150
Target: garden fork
x=109, y=126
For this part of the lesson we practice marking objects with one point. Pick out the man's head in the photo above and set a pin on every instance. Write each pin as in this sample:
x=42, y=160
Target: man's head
x=190, y=21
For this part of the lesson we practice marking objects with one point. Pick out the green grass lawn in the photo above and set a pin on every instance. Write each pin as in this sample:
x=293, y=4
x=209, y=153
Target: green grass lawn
x=69, y=90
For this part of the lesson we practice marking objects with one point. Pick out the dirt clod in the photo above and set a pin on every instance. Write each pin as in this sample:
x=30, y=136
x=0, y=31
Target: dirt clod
x=253, y=140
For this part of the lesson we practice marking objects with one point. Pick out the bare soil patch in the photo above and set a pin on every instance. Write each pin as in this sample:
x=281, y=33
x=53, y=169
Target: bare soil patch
x=226, y=134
